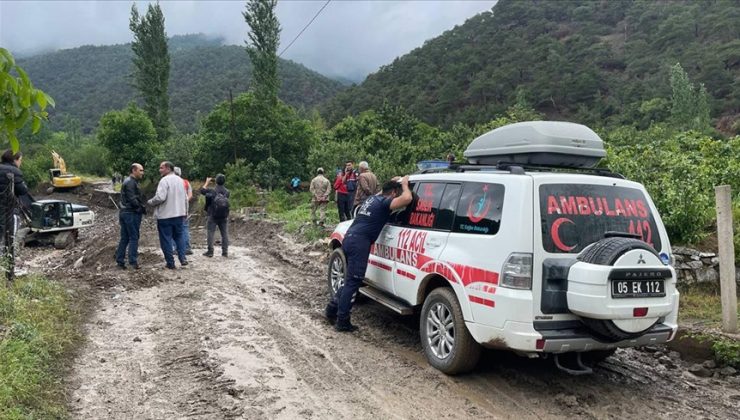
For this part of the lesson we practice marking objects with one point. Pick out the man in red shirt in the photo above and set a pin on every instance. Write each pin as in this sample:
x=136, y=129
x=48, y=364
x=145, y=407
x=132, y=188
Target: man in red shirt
x=342, y=197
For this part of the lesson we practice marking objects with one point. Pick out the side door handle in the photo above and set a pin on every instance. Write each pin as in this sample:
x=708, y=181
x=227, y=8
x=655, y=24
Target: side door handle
x=434, y=243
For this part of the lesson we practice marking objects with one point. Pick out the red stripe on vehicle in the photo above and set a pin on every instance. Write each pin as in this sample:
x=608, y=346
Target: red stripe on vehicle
x=481, y=301
x=380, y=265
x=406, y=274
x=336, y=235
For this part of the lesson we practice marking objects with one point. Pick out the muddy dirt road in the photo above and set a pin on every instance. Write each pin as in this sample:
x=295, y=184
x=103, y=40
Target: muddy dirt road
x=243, y=337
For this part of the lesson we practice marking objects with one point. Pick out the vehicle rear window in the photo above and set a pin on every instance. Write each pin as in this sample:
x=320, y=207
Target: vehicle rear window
x=479, y=209
x=576, y=215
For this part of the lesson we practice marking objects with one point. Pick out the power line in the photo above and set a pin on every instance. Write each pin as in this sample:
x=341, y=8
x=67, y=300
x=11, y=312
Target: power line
x=305, y=27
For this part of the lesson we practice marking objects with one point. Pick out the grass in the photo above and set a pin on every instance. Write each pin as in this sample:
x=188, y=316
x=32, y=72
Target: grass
x=295, y=211
x=37, y=328
x=701, y=303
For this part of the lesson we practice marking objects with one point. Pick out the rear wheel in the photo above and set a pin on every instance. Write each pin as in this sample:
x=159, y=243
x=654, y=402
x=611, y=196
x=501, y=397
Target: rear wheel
x=447, y=343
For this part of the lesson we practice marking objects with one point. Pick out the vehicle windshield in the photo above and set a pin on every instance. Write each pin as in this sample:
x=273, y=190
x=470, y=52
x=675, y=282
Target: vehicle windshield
x=576, y=215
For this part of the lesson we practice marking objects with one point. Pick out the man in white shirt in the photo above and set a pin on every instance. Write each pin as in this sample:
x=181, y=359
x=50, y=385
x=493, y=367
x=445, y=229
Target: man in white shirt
x=170, y=210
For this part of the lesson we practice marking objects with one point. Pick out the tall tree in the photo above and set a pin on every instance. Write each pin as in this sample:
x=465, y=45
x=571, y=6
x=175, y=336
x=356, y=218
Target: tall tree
x=264, y=38
x=152, y=66
x=689, y=106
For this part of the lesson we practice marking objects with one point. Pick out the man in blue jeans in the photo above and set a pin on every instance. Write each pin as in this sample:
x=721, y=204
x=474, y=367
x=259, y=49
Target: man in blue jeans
x=372, y=216
x=129, y=216
x=170, y=211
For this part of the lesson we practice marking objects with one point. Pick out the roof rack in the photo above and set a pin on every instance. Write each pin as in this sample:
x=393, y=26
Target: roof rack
x=517, y=168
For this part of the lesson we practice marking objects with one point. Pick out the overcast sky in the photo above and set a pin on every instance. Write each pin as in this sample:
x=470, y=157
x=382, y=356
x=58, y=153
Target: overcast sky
x=348, y=39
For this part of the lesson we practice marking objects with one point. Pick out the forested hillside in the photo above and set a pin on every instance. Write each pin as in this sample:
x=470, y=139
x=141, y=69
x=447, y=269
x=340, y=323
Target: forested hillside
x=92, y=80
x=590, y=61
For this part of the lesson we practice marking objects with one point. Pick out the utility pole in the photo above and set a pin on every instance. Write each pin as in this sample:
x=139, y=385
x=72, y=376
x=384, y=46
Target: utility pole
x=728, y=288
x=233, y=124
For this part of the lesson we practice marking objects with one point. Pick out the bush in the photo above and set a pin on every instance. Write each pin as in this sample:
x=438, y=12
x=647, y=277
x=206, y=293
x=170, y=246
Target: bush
x=679, y=170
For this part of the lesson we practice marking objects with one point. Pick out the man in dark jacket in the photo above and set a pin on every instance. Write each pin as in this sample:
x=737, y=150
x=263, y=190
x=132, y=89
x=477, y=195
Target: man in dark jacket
x=9, y=209
x=218, y=215
x=11, y=164
x=129, y=216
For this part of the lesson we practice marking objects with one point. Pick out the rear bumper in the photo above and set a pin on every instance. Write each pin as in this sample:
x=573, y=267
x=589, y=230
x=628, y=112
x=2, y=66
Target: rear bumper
x=559, y=337
x=562, y=341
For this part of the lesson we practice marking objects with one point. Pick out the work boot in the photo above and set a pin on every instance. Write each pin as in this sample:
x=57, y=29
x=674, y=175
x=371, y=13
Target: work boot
x=331, y=314
x=343, y=325
x=188, y=251
x=121, y=266
x=208, y=253
x=225, y=254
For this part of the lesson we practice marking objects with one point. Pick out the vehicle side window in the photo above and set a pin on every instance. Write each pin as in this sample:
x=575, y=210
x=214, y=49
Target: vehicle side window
x=401, y=217
x=446, y=213
x=479, y=209
x=424, y=210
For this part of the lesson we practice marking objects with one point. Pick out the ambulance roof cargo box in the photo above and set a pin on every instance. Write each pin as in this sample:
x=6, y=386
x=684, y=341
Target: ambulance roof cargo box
x=549, y=143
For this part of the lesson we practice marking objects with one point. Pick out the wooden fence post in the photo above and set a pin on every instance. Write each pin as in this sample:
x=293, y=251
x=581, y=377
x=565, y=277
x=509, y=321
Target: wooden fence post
x=726, y=258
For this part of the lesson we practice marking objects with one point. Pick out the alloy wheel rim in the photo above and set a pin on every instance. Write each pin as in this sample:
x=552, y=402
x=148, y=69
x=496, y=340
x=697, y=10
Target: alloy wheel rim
x=440, y=330
x=337, y=274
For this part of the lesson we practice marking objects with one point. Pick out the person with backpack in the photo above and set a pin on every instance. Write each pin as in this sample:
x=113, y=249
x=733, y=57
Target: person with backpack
x=217, y=208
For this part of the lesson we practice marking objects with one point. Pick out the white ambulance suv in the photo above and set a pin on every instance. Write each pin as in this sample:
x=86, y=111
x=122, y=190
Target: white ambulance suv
x=527, y=248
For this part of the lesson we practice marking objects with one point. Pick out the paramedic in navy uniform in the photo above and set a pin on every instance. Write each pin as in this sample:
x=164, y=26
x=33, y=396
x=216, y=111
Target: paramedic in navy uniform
x=372, y=216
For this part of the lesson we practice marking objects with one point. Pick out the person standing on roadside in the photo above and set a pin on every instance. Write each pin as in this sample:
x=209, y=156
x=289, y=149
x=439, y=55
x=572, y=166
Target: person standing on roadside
x=320, y=190
x=350, y=180
x=217, y=208
x=342, y=197
x=169, y=203
x=186, y=224
x=11, y=164
x=345, y=185
x=367, y=185
x=372, y=216
x=129, y=217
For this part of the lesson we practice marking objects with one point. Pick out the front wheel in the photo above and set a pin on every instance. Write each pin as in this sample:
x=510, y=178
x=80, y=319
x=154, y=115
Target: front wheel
x=447, y=343
x=337, y=271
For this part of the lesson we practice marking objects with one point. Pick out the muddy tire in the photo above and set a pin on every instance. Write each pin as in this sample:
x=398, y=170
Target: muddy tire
x=336, y=272
x=447, y=343
x=64, y=240
x=606, y=252
x=595, y=357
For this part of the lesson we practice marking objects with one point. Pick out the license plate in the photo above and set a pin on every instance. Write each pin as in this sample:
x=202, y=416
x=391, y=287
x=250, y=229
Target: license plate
x=637, y=288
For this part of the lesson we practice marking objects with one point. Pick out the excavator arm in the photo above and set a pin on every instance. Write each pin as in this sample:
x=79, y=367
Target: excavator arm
x=59, y=162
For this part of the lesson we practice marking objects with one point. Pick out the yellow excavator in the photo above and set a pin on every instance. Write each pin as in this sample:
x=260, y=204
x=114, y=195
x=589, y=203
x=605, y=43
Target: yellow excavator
x=60, y=179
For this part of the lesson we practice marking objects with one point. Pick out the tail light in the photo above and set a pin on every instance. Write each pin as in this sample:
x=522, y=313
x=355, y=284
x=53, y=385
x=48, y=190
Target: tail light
x=517, y=271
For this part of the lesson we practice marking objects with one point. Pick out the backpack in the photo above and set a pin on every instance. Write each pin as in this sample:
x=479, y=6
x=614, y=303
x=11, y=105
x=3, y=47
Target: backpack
x=220, y=206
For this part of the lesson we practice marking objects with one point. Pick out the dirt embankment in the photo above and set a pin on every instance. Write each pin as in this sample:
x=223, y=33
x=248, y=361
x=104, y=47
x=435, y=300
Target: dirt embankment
x=243, y=337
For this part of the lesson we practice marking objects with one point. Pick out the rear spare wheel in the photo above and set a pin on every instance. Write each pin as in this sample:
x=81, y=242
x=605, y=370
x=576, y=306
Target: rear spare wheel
x=606, y=252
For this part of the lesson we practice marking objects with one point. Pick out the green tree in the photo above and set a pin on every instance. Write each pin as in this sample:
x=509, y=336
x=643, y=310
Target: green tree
x=129, y=136
x=264, y=38
x=689, y=106
x=274, y=141
x=152, y=66
x=20, y=102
